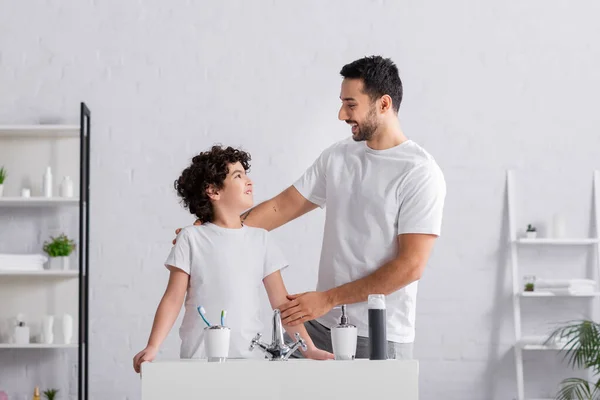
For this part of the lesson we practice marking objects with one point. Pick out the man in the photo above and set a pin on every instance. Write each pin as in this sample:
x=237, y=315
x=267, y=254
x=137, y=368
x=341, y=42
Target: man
x=384, y=198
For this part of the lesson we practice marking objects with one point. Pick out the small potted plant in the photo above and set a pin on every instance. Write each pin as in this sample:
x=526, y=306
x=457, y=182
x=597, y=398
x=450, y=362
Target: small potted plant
x=529, y=281
x=531, y=232
x=2, y=178
x=50, y=394
x=59, y=249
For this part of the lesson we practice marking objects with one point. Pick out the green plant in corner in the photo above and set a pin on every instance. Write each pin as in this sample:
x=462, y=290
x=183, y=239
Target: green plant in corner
x=582, y=350
x=50, y=394
x=60, y=246
x=2, y=175
x=529, y=287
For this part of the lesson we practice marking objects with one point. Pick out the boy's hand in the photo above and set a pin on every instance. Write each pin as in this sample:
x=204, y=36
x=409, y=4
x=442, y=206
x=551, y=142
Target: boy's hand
x=148, y=354
x=197, y=222
x=317, y=354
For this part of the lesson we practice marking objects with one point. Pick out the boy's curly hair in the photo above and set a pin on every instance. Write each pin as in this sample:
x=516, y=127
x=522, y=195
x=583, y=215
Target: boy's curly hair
x=207, y=168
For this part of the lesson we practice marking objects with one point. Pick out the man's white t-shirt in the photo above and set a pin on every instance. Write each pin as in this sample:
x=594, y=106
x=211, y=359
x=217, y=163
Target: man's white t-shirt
x=371, y=197
x=226, y=269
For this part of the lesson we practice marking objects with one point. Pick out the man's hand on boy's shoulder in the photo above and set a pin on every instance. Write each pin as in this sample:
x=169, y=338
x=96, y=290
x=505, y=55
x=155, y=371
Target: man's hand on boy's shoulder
x=197, y=222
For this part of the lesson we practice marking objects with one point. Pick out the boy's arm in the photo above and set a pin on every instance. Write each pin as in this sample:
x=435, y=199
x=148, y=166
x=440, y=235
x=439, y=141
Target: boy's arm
x=281, y=209
x=169, y=307
x=278, y=295
x=166, y=314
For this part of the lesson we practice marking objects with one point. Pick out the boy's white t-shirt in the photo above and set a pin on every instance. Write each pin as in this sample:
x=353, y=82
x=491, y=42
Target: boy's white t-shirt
x=226, y=269
x=372, y=196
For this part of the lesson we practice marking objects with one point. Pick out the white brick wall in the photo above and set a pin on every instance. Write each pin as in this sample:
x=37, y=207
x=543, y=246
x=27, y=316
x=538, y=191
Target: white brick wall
x=487, y=87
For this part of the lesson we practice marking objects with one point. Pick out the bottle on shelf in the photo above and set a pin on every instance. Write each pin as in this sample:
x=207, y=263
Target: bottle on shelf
x=21, y=331
x=47, y=183
x=67, y=328
x=66, y=187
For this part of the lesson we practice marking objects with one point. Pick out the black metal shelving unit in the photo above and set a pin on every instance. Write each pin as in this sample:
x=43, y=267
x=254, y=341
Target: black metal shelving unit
x=53, y=132
x=84, y=259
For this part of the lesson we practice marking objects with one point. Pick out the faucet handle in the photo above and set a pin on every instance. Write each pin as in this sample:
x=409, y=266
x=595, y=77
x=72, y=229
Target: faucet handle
x=301, y=341
x=291, y=349
x=255, y=341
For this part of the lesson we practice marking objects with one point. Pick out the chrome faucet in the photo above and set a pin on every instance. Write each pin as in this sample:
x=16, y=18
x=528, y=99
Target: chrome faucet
x=277, y=350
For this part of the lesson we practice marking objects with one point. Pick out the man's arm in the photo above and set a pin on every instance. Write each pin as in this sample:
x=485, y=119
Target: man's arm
x=281, y=209
x=405, y=268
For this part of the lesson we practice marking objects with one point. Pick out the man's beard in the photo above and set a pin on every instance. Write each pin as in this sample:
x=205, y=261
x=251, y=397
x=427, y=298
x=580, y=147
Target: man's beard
x=367, y=129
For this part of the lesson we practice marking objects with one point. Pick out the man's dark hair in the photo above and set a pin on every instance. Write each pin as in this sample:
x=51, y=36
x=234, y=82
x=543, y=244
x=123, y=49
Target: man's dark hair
x=207, y=168
x=380, y=77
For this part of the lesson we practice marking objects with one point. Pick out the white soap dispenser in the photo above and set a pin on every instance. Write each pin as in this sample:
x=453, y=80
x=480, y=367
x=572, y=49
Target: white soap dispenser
x=344, y=338
x=47, y=184
x=21, y=331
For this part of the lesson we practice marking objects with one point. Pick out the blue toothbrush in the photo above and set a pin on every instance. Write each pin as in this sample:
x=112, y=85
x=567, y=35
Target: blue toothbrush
x=202, y=311
x=223, y=314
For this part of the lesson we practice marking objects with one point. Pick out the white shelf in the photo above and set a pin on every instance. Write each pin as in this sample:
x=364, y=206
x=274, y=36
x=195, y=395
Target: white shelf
x=42, y=273
x=37, y=201
x=558, y=242
x=551, y=294
x=39, y=131
x=537, y=343
x=539, y=347
x=518, y=293
x=38, y=346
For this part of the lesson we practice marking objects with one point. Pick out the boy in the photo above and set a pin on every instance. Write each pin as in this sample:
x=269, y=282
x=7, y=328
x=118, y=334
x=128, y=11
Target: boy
x=220, y=264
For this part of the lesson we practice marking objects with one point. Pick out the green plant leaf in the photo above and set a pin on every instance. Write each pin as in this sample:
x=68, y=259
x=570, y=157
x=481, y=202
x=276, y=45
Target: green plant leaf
x=582, y=347
x=60, y=246
x=575, y=389
x=50, y=394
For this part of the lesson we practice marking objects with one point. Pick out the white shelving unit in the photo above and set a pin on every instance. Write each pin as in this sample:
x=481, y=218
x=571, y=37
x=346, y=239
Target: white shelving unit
x=558, y=242
x=40, y=274
x=37, y=346
x=526, y=343
x=38, y=201
x=39, y=131
x=551, y=294
x=27, y=150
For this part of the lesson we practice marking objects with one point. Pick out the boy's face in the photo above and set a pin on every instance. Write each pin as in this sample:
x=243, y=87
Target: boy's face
x=236, y=194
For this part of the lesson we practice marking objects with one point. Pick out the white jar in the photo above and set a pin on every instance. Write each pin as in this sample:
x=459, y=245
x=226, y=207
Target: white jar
x=559, y=226
x=67, y=328
x=21, y=333
x=66, y=187
x=48, y=329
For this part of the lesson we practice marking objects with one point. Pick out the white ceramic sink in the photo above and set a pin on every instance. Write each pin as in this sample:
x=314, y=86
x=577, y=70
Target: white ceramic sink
x=289, y=380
